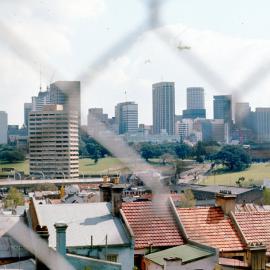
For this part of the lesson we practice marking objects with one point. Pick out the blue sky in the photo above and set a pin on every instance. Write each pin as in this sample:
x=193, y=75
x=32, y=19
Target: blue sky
x=229, y=37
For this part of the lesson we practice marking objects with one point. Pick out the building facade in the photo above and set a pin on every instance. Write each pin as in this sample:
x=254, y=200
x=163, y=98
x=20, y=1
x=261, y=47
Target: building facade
x=223, y=108
x=3, y=127
x=66, y=93
x=163, y=95
x=262, y=124
x=53, y=143
x=126, y=115
x=27, y=110
x=195, y=98
x=243, y=115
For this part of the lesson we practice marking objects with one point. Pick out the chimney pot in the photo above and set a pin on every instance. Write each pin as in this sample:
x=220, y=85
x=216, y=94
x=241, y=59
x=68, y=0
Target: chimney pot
x=226, y=200
x=117, y=191
x=61, y=237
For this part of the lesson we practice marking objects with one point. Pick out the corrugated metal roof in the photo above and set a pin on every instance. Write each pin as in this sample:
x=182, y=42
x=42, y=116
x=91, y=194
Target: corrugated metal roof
x=23, y=265
x=83, y=220
x=9, y=248
x=186, y=253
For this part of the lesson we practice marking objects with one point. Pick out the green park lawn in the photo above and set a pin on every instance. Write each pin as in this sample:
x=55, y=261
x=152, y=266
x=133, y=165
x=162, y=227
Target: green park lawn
x=253, y=175
x=87, y=166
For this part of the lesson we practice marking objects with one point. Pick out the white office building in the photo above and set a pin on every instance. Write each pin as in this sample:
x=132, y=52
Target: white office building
x=54, y=143
x=163, y=96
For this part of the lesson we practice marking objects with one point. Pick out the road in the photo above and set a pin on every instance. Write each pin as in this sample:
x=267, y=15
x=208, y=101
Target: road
x=57, y=182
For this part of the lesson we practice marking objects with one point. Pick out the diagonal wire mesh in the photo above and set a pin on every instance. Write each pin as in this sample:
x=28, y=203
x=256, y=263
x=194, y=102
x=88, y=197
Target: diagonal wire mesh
x=99, y=131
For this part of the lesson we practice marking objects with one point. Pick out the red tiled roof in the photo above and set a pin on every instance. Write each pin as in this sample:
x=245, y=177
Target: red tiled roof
x=152, y=224
x=208, y=225
x=255, y=226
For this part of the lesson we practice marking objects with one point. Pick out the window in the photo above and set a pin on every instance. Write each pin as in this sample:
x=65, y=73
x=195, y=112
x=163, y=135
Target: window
x=112, y=257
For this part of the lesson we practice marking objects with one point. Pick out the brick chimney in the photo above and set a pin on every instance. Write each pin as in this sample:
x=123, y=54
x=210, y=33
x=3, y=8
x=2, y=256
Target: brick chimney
x=226, y=200
x=61, y=228
x=117, y=191
x=257, y=256
x=44, y=234
x=105, y=192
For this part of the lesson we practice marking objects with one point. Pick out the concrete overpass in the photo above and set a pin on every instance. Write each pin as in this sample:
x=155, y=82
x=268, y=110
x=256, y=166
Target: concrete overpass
x=5, y=183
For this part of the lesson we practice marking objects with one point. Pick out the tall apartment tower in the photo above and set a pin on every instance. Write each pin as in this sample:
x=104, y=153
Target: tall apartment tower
x=195, y=103
x=223, y=108
x=27, y=110
x=126, y=115
x=163, y=96
x=243, y=115
x=262, y=124
x=53, y=143
x=3, y=127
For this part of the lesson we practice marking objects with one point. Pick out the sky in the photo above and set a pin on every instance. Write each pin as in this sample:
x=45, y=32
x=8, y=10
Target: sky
x=109, y=46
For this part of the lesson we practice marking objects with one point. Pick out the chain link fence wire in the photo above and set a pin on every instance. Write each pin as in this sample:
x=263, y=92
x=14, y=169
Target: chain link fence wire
x=116, y=145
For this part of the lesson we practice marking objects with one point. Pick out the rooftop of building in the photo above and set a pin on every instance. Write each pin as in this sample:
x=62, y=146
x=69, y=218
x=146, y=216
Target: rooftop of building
x=186, y=253
x=209, y=225
x=255, y=226
x=83, y=220
x=152, y=224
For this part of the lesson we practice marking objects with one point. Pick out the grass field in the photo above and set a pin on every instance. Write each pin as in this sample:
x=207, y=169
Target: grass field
x=87, y=166
x=254, y=175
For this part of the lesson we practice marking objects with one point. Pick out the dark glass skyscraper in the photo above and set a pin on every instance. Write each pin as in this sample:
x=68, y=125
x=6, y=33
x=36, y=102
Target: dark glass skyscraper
x=223, y=108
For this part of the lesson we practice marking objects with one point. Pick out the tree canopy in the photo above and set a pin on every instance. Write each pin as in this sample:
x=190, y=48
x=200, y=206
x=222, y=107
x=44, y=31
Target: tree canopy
x=13, y=198
x=11, y=154
x=235, y=158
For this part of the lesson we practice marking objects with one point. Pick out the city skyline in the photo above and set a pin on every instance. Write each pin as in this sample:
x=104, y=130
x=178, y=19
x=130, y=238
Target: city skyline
x=134, y=71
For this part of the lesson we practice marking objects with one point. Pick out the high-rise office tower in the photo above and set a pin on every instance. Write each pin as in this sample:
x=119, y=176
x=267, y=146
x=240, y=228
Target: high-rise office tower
x=195, y=103
x=126, y=115
x=243, y=115
x=27, y=110
x=3, y=127
x=68, y=94
x=262, y=124
x=98, y=114
x=42, y=99
x=223, y=108
x=195, y=98
x=163, y=95
x=53, y=143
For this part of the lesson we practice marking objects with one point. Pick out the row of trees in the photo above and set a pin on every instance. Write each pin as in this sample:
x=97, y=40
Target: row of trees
x=10, y=154
x=234, y=158
x=180, y=150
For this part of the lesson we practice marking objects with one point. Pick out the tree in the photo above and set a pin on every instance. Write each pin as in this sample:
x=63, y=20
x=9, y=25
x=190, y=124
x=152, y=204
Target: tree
x=183, y=150
x=199, y=151
x=90, y=147
x=240, y=181
x=188, y=199
x=235, y=158
x=13, y=198
x=166, y=158
x=93, y=151
x=180, y=167
x=149, y=150
x=11, y=154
